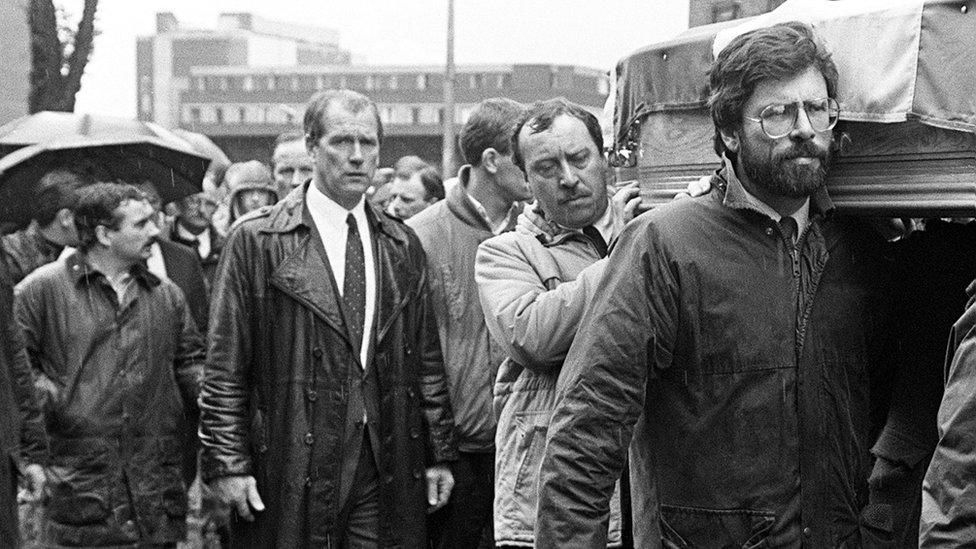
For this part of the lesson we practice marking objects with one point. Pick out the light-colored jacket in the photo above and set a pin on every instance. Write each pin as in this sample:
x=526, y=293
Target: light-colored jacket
x=534, y=283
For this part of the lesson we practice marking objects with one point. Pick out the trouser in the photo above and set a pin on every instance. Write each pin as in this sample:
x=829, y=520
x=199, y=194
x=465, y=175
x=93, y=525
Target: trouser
x=466, y=520
x=9, y=536
x=358, y=525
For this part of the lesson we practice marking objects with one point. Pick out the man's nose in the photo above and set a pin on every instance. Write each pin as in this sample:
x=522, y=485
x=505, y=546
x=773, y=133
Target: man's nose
x=296, y=179
x=802, y=129
x=356, y=156
x=567, y=175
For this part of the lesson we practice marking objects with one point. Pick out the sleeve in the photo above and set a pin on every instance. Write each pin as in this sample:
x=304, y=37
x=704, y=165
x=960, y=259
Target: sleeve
x=190, y=354
x=948, y=491
x=435, y=400
x=528, y=309
x=224, y=392
x=33, y=437
x=629, y=328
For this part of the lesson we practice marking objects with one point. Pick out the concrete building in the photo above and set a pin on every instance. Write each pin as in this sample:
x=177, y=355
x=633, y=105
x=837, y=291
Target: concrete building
x=704, y=12
x=242, y=98
x=15, y=60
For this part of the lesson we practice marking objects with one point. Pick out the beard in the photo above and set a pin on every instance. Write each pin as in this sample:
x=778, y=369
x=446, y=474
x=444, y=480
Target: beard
x=779, y=175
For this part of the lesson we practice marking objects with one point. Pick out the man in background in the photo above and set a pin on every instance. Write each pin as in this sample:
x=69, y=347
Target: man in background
x=410, y=196
x=486, y=202
x=291, y=163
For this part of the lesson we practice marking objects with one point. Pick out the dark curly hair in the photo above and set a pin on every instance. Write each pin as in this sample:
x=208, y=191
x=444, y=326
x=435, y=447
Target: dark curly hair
x=778, y=52
x=540, y=116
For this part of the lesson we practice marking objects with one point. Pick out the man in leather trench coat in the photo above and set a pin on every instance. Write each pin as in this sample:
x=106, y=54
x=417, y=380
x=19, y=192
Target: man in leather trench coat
x=325, y=417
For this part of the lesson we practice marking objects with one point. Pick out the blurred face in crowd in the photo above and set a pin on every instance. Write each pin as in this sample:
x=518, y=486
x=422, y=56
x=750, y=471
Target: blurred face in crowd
x=792, y=166
x=566, y=172
x=408, y=197
x=195, y=212
x=292, y=165
x=510, y=180
x=131, y=242
x=250, y=200
x=346, y=155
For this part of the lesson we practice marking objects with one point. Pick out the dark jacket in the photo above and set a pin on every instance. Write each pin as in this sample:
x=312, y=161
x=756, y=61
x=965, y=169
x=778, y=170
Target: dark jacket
x=274, y=397
x=743, y=363
x=183, y=268
x=116, y=380
x=209, y=263
x=26, y=250
x=21, y=430
x=450, y=232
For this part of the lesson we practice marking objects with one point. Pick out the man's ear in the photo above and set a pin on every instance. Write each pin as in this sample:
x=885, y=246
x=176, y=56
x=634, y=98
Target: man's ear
x=731, y=140
x=489, y=159
x=101, y=235
x=66, y=218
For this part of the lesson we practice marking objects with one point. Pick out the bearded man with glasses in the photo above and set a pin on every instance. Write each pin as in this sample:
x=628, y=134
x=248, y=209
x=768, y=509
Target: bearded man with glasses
x=732, y=346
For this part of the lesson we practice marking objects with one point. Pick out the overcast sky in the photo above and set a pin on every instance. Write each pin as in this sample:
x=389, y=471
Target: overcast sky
x=594, y=33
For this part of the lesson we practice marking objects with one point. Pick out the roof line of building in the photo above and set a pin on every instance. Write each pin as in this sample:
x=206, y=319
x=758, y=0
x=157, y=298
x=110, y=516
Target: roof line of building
x=374, y=69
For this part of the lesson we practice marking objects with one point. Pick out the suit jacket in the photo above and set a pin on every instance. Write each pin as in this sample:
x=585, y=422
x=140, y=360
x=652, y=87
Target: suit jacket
x=183, y=268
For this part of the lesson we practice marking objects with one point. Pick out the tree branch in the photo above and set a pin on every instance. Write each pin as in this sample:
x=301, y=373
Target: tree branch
x=78, y=60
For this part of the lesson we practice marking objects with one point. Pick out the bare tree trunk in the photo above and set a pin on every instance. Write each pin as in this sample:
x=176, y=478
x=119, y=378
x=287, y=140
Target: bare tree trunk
x=50, y=89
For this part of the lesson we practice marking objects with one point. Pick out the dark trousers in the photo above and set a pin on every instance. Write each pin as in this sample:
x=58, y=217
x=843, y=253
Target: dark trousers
x=359, y=518
x=9, y=535
x=466, y=520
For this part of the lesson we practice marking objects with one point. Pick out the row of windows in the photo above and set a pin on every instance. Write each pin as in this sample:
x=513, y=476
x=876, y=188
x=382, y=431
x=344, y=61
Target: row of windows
x=299, y=82
x=258, y=113
x=369, y=82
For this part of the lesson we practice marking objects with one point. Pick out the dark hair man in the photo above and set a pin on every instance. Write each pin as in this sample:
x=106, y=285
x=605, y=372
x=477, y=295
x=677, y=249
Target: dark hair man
x=290, y=162
x=193, y=227
x=735, y=330
x=51, y=229
x=325, y=417
x=415, y=186
x=485, y=202
x=117, y=356
x=533, y=283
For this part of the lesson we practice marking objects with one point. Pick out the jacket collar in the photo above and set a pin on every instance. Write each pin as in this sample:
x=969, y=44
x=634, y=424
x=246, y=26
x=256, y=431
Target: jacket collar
x=79, y=268
x=460, y=204
x=533, y=222
x=292, y=212
x=736, y=197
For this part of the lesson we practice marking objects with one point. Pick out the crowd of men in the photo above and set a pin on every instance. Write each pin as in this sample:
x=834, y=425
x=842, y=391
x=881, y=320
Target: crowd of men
x=372, y=357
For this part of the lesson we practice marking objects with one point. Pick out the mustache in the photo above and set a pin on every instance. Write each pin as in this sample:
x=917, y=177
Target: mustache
x=805, y=149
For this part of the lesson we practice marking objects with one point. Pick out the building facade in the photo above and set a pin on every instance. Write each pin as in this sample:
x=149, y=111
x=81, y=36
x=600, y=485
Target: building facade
x=15, y=60
x=705, y=12
x=243, y=98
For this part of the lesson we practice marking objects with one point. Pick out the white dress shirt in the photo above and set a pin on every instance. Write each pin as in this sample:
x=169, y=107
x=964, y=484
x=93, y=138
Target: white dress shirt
x=201, y=240
x=330, y=220
x=801, y=216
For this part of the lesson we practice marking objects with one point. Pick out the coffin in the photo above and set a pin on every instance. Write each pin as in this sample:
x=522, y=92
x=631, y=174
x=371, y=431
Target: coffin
x=907, y=92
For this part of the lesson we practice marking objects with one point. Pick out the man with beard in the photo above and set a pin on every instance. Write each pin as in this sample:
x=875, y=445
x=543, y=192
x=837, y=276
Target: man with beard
x=731, y=340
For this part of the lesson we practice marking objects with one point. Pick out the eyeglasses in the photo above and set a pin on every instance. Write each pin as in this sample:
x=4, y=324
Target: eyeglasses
x=779, y=120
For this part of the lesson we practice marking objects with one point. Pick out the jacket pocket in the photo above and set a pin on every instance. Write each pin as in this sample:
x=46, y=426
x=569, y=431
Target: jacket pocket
x=531, y=431
x=691, y=527
x=78, y=492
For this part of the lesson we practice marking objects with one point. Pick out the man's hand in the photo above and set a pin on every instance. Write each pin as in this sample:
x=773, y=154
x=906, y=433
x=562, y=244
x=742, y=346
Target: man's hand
x=36, y=480
x=241, y=493
x=440, y=482
x=626, y=200
x=696, y=188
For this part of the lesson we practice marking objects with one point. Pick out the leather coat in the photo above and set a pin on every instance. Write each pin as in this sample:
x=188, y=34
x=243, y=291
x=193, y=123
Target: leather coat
x=274, y=398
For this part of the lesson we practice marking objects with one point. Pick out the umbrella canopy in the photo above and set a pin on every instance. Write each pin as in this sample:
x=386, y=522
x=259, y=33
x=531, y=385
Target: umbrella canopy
x=171, y=165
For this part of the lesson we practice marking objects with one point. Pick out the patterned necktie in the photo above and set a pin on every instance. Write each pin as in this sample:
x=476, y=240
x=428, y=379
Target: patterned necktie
x=594, y=235
x=354, y=284
x=789, y=227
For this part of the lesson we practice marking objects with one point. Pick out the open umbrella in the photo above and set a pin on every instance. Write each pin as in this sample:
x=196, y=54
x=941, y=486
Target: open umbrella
x=170, y=164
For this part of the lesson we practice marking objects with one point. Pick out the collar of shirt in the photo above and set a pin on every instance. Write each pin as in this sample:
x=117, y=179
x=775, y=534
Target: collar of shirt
x=499, y=226
x=801, y=215
x=156, y=264
x=605, y=223
x=202, y=240
x=330, y=221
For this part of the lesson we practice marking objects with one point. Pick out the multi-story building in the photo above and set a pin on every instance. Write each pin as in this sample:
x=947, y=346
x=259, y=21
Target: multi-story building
x=15, y=60
x=704, y=12
x=244, y=102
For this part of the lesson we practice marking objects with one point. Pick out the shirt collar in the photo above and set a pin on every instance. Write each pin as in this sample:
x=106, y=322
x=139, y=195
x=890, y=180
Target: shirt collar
x=605, y=223
x=80, y=269
x=323, y=207
x=736, y=196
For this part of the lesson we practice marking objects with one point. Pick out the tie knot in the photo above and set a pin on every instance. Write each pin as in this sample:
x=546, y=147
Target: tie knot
x=789, y=227
x=351, y=222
